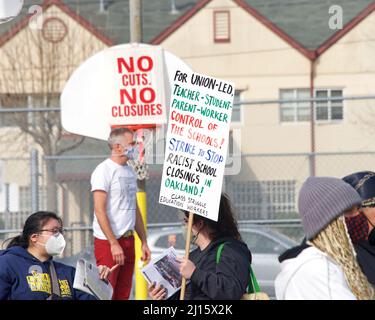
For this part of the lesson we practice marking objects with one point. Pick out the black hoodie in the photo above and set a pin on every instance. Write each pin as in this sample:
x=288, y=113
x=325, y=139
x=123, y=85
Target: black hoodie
x=366, y=259
x=293, y=252
x=223, y=281
x=24, y=277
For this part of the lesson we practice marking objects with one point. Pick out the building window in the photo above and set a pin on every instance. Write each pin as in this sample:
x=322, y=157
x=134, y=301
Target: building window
x=300, y=111
x=221, y=26
x=271, y=199
x=294, y=111
x=329, y=110
x=54, y=30
x=236, y=111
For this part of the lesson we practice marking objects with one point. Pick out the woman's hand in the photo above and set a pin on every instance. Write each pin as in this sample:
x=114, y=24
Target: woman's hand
x=187, y=267
x=105, y=272
x=157, y=292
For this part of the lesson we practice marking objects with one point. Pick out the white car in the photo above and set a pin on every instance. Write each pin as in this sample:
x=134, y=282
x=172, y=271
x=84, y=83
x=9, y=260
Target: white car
x=265, y=246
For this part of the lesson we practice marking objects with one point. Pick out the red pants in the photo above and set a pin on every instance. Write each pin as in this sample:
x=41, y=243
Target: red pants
x=121, y=278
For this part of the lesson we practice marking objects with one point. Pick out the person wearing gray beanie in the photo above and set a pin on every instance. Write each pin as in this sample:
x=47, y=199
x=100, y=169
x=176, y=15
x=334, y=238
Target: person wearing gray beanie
x=323, y=199
x=328, y=269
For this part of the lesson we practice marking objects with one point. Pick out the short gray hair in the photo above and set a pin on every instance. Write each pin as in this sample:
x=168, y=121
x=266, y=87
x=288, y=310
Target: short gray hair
x=116, y=134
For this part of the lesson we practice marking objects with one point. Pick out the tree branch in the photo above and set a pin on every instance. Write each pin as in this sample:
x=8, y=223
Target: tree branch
x=71, y=147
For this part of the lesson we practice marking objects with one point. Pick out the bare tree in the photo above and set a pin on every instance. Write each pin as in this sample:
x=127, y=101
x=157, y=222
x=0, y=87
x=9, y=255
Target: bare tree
x=33, y=69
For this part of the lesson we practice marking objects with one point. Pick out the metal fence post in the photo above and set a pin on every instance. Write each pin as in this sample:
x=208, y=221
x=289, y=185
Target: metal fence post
x=34, y=180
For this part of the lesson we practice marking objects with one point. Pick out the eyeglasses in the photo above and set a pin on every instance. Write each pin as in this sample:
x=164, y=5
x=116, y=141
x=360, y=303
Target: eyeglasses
x=54, y=230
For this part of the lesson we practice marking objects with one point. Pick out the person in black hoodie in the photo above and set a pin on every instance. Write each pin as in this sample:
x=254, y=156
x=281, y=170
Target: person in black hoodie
x=208, y=280
x=361, y=225
x=26, y=264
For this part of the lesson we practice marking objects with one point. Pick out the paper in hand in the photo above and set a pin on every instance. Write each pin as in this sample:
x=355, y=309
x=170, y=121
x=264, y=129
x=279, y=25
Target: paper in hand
x=87, y=279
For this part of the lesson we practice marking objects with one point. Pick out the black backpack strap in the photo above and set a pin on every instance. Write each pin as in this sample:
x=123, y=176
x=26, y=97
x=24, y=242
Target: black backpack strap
x=54, y=281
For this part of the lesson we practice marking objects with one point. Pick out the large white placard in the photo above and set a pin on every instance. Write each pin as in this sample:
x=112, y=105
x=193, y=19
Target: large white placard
x=127, y=84
x=196, y=144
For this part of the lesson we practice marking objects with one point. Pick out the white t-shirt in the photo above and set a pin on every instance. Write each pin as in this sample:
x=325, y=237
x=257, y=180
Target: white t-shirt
x=120, y=183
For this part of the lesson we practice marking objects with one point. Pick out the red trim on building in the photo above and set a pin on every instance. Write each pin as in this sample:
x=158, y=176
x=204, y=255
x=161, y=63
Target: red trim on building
x=15, y=29
x=83, y=22
x=190, y=13
x=179, y=22
x=310, y=54
x=270, y=25
x=348, y=27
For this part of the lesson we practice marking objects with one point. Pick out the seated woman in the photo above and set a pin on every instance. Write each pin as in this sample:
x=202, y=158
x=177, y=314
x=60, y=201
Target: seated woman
x=27, y=264
x=224, y=280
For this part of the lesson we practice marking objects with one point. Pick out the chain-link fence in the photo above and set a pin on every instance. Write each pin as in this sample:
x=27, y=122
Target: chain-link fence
x=262, y=237
x=258, y=192
x=273, y=148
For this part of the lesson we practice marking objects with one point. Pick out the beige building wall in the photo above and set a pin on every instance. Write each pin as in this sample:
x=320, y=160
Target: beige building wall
x=23, y=63
x=28, y=74
x=261, y=63
x=350, y=65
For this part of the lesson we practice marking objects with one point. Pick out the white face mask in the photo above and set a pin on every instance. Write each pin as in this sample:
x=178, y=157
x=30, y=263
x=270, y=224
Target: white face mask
x=55, y=245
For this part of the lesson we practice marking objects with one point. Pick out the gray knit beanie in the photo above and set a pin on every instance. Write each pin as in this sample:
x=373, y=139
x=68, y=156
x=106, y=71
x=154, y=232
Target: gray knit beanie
x=323, y=199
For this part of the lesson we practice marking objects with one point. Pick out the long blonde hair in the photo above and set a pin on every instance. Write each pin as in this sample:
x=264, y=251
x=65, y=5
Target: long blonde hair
x=334, y=240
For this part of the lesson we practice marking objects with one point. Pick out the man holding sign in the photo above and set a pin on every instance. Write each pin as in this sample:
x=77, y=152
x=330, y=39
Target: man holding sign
x=114, y=187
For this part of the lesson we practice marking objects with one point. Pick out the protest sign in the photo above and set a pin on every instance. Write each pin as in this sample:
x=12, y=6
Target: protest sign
x=128, y=84
x=196, y=143
x=137, y=94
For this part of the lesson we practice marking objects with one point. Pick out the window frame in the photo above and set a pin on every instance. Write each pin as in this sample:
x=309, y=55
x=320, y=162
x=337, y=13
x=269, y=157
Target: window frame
x=295, y=108
x=329, y=106
x=215, y=14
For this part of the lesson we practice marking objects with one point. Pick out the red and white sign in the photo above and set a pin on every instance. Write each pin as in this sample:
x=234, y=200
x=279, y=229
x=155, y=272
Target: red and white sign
x=123, y=85
x=137, y=96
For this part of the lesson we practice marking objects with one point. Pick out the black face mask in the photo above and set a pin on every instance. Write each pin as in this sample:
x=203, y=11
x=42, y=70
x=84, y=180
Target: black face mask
x=371, y=237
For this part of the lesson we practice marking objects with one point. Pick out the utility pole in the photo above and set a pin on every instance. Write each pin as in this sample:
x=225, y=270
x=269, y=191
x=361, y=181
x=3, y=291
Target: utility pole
x=135, y=12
